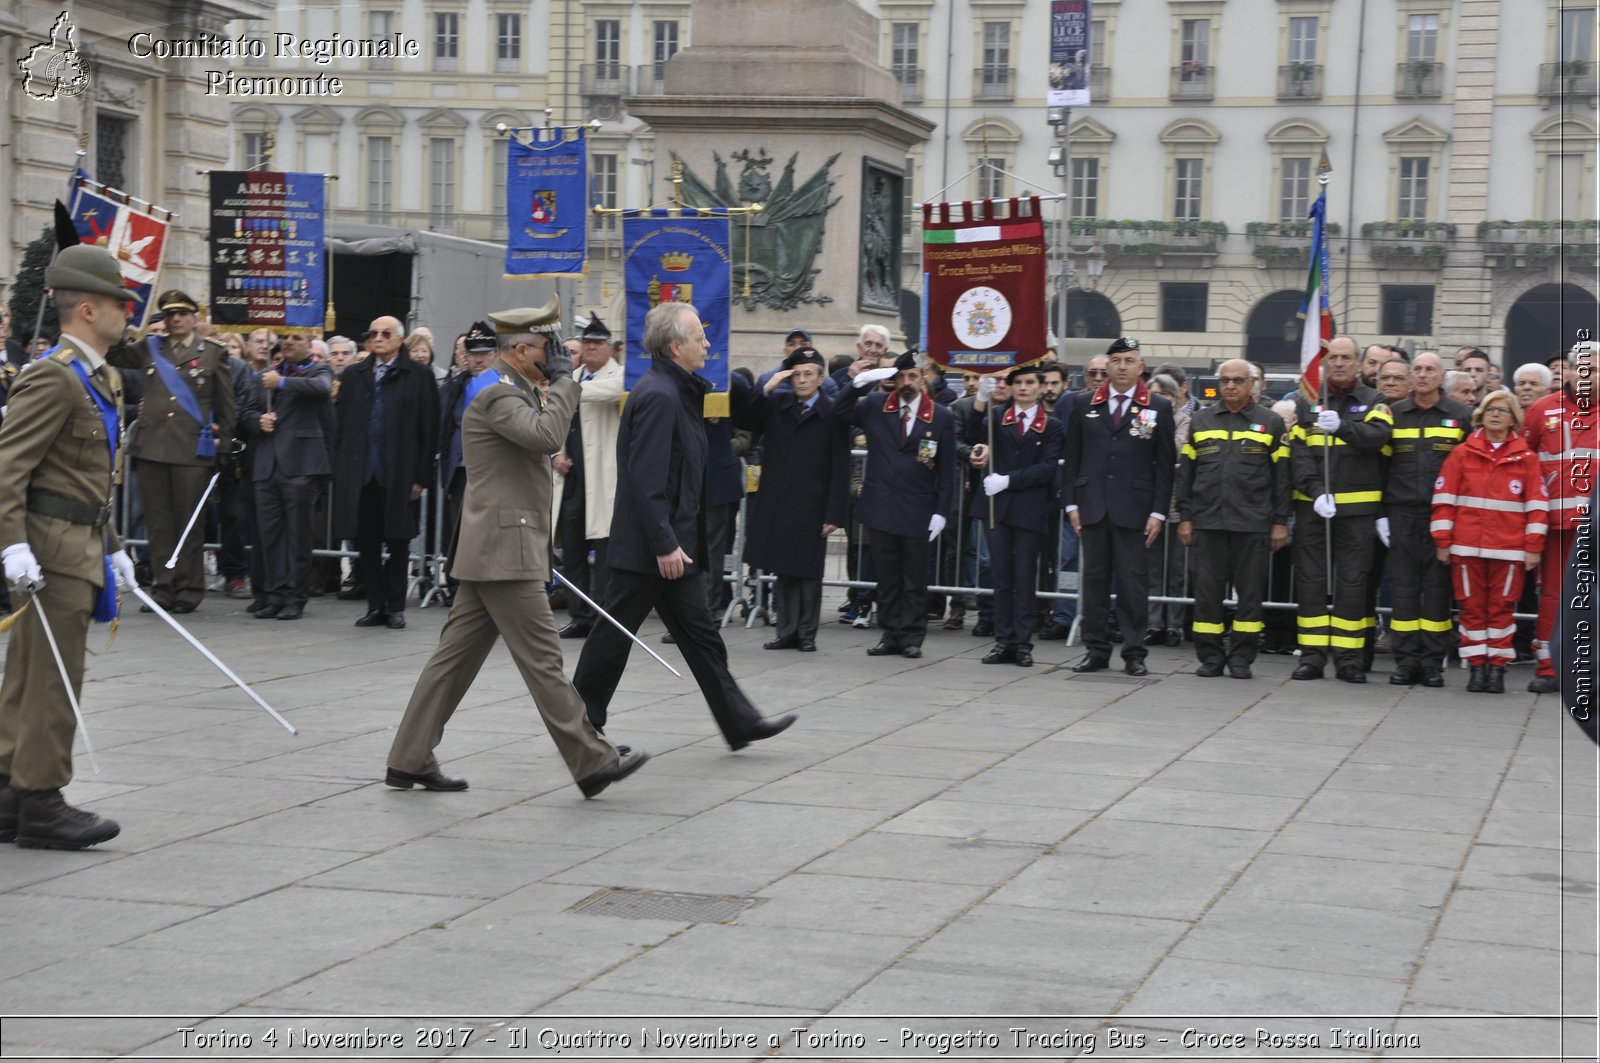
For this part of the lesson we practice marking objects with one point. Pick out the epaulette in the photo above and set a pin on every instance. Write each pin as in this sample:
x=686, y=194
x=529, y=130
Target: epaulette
x=64, y=357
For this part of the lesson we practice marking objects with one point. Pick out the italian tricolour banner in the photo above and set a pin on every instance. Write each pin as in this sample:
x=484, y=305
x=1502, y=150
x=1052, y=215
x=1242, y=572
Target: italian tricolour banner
x=983, y=284
x=1318, y=318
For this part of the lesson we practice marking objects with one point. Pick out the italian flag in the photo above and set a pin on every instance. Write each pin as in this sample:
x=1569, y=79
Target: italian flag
x=985, y=233
x=1314, y=311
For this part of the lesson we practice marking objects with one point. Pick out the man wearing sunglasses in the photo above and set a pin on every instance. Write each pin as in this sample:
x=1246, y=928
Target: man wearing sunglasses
x=388, y=415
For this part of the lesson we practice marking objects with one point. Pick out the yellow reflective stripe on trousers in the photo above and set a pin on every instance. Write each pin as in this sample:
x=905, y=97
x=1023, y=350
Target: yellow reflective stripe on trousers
x=1312, y=640
x=1247, y=627
x=1343, y=642
x=1202, y=628
x=1437, y=625
x=1312, y=621
x=1359, y=624
x=1405, y=625
x=1348, y=498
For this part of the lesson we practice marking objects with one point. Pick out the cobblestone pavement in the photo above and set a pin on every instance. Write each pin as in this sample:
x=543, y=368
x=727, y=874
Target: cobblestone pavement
x=1134, y=868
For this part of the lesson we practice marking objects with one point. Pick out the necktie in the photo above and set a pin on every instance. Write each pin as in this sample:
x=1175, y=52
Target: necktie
x=905, y=424
x=1022, y=426
x=1116, y=414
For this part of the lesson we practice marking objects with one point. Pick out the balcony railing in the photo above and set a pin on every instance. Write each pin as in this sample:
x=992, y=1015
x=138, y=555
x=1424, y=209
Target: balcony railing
x=613, y=80
x=994, y=83
x=1525, y=243
x=1407, y=244
x=910, y=80
x=1283, y=243
x=1192, y=81
x=1573, y=77
x=1300, y=81
x=1418, y=79
x=650, y=79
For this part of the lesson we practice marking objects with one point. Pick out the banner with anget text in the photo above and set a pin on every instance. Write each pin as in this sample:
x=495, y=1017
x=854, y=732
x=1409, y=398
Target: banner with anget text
x=267, y=257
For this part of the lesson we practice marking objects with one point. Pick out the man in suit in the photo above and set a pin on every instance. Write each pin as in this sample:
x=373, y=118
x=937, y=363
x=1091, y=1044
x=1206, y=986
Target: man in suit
x=910, y=487
x=388, y=415
x=503, y=559
x=58, y=450
x=185, y=422
x=587, y=465
x=1121, y=445
x=656, y=523
x=805, y=474
x=1021, y=484
x=290, y=456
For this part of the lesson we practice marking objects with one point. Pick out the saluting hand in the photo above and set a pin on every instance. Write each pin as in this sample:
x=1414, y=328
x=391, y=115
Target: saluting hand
x=775, y=380
x=672, y=565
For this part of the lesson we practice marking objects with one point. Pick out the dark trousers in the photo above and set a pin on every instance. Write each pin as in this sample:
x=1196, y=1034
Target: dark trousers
x=1222, y=558
x=681, y=604
x=171, y=495
x=1421, y=631
x=590, y=577
x=284, y=507
x=1107, y=551
x=799, y=607
x=719, y=539
x=1014, y=557
x=901, y=562
x=232, y=560
x=1341, y=632
x=385, y=580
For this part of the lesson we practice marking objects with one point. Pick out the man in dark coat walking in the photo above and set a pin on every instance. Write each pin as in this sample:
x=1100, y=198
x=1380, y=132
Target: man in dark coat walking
x=388, y=411
x=1116, y=486
x=805, y=477
x=658, y=533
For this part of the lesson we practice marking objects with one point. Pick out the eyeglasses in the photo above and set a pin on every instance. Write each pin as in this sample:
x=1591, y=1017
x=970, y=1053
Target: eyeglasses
x=1236, y=381
x=1497, y=409
x=1096, y=372
x=381, y=334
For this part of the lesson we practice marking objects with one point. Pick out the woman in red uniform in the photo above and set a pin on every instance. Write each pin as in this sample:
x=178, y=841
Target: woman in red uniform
x=1489, y=522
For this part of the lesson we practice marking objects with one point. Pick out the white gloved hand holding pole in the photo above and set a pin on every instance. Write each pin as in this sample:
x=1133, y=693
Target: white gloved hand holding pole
x=935, y=526
x=986, y=386
x=122, y=568
x=1383, y=530
x=995, y=482
x=1328, y=421
x=1324, y=506
x=22, y=568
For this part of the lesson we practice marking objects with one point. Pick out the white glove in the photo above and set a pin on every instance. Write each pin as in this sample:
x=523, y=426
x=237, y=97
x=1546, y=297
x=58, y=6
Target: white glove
x=22, y=568
x=995, y=482
x=986, y=386
x=1328, y=421
x=1383, y=530
x=873, y=376
x=935, y=526
x=122, y=568
x=1324, y=506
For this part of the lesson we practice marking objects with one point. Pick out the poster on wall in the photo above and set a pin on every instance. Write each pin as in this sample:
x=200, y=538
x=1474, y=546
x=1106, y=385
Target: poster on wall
x=1069, y=53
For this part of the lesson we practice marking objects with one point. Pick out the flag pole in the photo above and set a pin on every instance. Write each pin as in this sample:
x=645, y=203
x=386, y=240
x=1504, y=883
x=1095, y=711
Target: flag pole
x=1323, y=170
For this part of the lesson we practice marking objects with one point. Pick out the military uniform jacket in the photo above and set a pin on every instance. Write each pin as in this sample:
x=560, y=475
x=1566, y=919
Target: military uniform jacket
x=165, y=432
x=1121, y=472
x=908, y=478
x=1032, y=460
x=507, y=434
x=1355, y=451
x=1422, y=439
x=54, y=440
x=1233, y=474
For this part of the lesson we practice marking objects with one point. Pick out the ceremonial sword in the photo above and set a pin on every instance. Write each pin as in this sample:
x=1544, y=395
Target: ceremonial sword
x=590, y=602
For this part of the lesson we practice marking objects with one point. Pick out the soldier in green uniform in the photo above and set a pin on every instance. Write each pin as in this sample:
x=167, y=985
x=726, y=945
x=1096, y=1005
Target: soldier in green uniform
x=58, y=449
x=185, y=421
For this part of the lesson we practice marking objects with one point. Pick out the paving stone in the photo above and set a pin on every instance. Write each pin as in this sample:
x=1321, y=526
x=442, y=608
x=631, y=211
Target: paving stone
x=878, y=854
x=454, y=867
x=1509, y=979
x=842, y=789
x=1307, y=936
x=861, y=905
x=1238, y=779
x=1536, y=920
x=1005, y=785
x=1202, y=808
x=1459, y=1034
x=884, y=758
x=1411, y=890
x=1508, y=867
x=976, y=821
x=1189, y=987
x=195, y=872
x=40, y=930
x=1399, y=845
x=1372, y=808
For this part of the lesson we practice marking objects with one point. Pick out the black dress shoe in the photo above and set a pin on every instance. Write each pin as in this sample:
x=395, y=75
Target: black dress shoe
x=1239, y=671
x=627, y=763
x=396, y=621
x=1209, y=670
x=373, y=619
x=1405, y=675
x=1174, y=637
x=668, y=640
x=1024, y=658
x=181, y=607
x=575, y=630
x=1307, y=671
x=782, y=642
x=255, y=606
x=1432, y=676
x=1351, y=673
x=1000, y=655
x=1092, y=664
x=912, y=652
x=1136, y=667
x=883, y=649
x=1053, y=632
x=352, y=592
x=268, y=612
x=291, y=612
x=1543, y=684
x=983, y=629
x=765, y=728
x=807, y=646
x=431, y=780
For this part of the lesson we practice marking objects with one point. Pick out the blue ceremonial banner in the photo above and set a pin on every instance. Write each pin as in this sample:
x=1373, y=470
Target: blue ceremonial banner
x=683, y=259
x=267, y=264
x=547, y=204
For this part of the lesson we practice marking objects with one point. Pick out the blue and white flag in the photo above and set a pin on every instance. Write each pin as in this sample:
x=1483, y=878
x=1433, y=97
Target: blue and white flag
x=680, y=256
x=547, y=204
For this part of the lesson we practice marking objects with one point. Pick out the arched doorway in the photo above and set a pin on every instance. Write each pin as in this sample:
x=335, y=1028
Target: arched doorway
x=1272, y=331
x=1544, y=321
x=1091, y=314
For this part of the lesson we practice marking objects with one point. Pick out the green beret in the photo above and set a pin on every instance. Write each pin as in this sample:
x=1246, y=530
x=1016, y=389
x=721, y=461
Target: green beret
x=546, y=318
x=83, y=268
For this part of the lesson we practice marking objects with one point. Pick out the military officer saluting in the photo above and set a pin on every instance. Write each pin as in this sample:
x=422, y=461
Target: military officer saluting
x=517, y=415
x=58, y=448
x=1233, y=508
x=185, y=421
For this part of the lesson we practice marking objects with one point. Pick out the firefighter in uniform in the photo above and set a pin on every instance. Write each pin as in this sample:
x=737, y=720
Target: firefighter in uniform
x=1233, y=508
x=1561, y=429
x=185, y=421
x=1427, y=427
x=1349, y=434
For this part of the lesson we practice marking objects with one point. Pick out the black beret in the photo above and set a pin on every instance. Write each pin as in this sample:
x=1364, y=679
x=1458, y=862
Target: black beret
x=905, y=361
x=804, y=356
